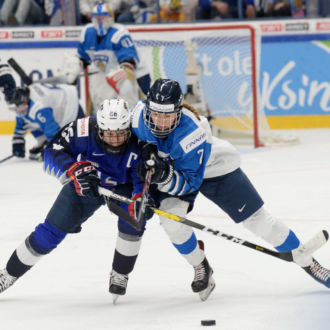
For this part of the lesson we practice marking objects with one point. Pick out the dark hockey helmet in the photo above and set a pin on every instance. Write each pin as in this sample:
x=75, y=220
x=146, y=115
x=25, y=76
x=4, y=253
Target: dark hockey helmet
x=20, y=99
x=164, y=100
x=113, y=125
x=7, y=82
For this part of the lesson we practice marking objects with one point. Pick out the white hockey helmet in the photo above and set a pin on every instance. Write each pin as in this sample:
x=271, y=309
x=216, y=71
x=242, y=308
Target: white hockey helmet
x=113, y=115
x=102, y=18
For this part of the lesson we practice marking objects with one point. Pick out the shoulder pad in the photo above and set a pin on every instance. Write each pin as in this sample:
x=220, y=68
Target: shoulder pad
x=121, y=31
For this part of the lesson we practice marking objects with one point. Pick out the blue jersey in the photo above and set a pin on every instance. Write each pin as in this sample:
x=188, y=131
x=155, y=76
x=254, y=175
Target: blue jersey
x=77, y=141
x=107, y=52
x=188, y=147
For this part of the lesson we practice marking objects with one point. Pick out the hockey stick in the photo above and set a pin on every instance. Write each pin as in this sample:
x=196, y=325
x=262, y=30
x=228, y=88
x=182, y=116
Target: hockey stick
x=116, y=209
x=315, y=243
x=26, y=79
x=6, y=158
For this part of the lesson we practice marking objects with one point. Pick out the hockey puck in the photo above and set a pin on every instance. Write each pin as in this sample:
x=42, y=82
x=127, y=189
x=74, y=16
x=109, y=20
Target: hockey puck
x=208, y=322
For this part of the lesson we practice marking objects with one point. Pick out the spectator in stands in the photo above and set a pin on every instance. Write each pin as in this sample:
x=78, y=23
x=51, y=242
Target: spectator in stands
x=19, y=12
x=277, y=8
x=170, y=11
x=136, y=11
x=218, y=9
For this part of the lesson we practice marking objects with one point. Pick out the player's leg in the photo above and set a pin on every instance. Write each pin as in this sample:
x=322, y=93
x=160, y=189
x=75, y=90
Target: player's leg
x=235, y=194
x=127, y=249
x=66, y=215
x=184, y=240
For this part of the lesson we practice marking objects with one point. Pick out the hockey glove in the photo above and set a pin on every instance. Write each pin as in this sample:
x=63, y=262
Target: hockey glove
x=162, y=171
x=37, y=153
x=85, y=179
x=18, y=146
x=134, y=208
x=148, y=150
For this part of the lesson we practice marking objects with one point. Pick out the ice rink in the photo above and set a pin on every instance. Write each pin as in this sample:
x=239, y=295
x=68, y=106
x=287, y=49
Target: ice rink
x=68, y=289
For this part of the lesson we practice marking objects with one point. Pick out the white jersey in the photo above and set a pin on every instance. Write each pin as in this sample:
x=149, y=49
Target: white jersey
x=63, y=99
x=224, y=159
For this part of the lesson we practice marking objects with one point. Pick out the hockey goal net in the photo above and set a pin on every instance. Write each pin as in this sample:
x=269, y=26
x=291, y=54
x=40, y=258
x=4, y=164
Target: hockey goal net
x=217, y=67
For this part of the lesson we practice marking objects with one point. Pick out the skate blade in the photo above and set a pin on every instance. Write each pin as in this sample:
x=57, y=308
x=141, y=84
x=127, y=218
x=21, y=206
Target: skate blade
x=115, y=298
x=203, y=295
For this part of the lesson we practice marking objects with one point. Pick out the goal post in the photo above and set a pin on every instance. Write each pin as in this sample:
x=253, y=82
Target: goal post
x=217, y=66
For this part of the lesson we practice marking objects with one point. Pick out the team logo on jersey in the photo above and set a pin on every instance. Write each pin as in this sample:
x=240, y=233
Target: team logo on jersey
x=193, y=140
x=82, y=127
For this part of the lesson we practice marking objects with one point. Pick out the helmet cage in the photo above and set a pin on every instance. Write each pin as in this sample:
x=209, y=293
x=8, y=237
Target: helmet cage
x=161, y=109
x=20, y=101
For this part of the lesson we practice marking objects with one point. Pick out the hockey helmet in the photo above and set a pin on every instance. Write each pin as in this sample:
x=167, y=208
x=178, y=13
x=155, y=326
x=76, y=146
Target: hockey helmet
x=113, y=125
x=164, y=103
x=7, y=82
x=21, y=100
x=102, y=18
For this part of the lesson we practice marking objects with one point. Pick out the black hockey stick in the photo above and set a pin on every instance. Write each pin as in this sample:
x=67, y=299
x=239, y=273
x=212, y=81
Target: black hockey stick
x=6, y=158
x=144, y=196
x=116, y=209
x=26, y=79
x=315, y=243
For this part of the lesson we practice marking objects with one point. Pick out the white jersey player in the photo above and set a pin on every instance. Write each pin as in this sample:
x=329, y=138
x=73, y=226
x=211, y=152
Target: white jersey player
x=43, y=110
x=108, y=49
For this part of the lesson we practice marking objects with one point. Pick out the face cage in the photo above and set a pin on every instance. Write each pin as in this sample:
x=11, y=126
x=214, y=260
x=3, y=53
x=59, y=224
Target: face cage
x=102, y=28
x=153, y=128
x=107, y=147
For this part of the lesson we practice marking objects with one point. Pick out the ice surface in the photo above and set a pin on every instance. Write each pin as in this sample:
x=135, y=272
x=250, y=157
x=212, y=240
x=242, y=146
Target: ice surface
x=68, y=289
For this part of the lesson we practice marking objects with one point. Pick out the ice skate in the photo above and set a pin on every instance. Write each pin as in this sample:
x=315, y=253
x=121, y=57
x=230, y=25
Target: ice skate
x=203, y=282
x=319, y=273
x=117, y=285
x=6, y=280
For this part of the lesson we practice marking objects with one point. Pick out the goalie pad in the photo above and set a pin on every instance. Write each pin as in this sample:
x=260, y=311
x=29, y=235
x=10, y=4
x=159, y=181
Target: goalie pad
x=116, y=78
x=71, y=67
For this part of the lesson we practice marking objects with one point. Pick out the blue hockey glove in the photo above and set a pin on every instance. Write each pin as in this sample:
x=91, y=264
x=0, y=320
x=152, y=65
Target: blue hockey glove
x=18, y=144
x=134, y=208
x=162, y=171
x=85, y=179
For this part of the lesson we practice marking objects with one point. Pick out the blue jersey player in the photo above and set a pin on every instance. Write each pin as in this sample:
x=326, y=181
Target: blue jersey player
x=109, y=51
x=187, y=162
x=108, y=156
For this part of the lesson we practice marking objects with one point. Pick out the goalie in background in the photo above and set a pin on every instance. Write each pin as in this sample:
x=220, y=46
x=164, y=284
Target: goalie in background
x=108, y=49
x=41, y=109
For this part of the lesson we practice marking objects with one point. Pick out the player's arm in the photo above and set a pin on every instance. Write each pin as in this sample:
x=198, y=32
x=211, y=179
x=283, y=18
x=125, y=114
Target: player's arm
x=129, y=62
x=61, y=152
x=18, y=140
x=45, y=118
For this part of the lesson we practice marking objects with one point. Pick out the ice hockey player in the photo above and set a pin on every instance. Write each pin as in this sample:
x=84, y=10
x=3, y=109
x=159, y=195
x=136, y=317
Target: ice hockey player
x=108, y=49
x=108, y=157
x=189, y=160
x=43, y=110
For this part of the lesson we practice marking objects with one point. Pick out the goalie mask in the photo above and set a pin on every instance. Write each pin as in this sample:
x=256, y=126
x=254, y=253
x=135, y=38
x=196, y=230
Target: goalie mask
x=20, y=100
x=113, y=125
x=102, y=18
x=163, y=108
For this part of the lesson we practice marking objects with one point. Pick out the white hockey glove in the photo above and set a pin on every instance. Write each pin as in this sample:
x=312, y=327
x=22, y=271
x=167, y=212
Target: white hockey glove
x=72, y=66
x=115, y=78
